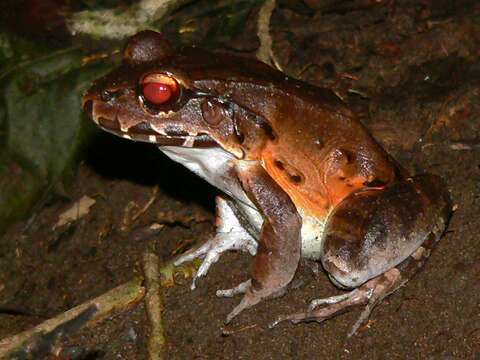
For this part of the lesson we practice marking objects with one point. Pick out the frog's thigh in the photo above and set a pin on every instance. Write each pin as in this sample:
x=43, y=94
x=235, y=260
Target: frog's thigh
x=374, y=230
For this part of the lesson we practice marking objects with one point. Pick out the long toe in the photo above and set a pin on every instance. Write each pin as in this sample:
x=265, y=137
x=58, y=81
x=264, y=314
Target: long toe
x=241, y=288
x=248, y=300
x=192, y=254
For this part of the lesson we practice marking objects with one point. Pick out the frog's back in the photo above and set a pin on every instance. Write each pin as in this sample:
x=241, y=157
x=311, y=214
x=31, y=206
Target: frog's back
x=324, y=153
x=203, y=65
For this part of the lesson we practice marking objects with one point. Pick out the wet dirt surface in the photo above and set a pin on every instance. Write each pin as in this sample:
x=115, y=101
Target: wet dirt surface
x=411, y=71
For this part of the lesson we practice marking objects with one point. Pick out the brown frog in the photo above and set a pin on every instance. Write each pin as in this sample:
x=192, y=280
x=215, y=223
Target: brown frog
x=300, y=175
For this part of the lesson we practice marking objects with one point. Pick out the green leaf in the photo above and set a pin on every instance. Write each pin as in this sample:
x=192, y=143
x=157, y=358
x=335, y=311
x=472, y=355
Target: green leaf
x=42, y=127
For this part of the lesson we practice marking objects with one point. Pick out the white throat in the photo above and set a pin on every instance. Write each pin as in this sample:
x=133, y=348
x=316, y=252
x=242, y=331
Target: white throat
x=214, y=165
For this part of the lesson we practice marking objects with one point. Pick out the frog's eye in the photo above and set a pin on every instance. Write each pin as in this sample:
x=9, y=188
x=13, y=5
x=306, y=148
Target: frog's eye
x=160, y=89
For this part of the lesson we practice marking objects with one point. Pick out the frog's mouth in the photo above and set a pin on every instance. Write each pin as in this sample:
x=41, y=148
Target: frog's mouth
x=143, y=132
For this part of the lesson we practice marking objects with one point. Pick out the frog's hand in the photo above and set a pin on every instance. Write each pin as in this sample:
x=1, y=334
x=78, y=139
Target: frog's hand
x=231, y=235
x=279, y=244
x=376, y=240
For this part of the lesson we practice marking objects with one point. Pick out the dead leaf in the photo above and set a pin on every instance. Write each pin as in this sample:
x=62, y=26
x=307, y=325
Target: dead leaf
x=78, y=210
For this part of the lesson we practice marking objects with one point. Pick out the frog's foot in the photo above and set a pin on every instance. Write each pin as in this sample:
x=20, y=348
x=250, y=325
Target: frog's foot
x=247, y=301
x=251, y=297
x=369, y=295
x=231, y=235
x=213, y=248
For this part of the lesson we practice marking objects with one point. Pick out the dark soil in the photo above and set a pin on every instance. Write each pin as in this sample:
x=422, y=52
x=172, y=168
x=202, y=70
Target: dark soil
x=411, y=70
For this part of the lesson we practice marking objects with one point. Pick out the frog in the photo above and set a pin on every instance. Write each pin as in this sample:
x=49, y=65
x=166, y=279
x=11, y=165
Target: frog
x=300, y=177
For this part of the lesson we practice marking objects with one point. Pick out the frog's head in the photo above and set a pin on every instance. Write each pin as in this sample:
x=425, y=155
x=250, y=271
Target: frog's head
x=174, y=97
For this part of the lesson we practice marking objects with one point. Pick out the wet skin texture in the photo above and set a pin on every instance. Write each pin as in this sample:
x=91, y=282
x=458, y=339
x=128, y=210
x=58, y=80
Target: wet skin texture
x=302, y=177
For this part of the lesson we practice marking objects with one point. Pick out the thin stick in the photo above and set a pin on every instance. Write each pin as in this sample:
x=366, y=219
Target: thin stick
x=265, y=51
x=154, y=307
x=119, y=298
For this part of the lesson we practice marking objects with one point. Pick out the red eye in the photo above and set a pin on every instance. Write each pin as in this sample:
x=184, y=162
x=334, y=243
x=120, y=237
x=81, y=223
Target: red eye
x=160, y=88
x=157, y=93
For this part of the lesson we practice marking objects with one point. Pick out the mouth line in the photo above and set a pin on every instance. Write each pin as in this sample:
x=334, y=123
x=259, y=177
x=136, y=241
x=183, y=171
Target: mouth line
x=150, y=136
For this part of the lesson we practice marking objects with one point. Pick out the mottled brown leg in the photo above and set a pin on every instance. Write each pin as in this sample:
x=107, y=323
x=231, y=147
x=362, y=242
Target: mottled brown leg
x=389, y=222
x=368, y=295
x=373, y=231
x=279, y=245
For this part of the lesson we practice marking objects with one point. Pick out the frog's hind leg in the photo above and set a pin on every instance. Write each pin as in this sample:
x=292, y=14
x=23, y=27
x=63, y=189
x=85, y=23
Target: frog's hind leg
x=231, y=234
x=368, y=295
x=375, y=241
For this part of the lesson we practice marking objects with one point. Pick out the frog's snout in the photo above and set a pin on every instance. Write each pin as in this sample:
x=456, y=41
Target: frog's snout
x=100, y=111
x=88, y=101
x=88, y=107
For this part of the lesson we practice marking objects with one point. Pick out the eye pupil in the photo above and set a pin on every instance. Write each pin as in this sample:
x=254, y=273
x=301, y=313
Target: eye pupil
x=157, y=93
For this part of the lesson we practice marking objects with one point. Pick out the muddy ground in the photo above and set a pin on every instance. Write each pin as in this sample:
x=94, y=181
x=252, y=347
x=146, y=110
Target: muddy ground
x=411, y=71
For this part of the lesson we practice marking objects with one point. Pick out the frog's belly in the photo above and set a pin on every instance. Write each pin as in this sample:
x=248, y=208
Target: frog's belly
x=312, y=236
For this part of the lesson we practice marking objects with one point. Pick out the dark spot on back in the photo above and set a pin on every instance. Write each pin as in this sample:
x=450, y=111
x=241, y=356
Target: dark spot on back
x=293, y=174
x=279, y=164
x=296, y=178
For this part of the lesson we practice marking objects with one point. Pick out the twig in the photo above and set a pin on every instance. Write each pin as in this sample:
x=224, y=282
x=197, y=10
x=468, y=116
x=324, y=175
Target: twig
x=148, y=204
x=464, y=146
x=119, y=298
x=265, y=51
x=42, y=344
x=129, y=217
x=145, y=232
x=154, y=307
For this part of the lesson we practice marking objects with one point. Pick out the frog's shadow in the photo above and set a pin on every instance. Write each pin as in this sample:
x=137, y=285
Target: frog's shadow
x=141, y=163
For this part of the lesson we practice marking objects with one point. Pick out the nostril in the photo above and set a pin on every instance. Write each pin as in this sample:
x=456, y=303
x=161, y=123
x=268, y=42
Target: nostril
x=106, y=95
